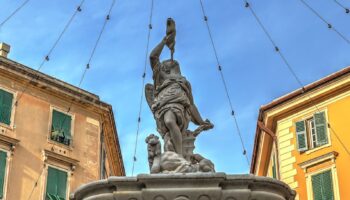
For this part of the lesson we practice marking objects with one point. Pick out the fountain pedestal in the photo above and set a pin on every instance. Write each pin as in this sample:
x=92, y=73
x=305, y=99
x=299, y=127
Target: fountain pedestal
x=193, y=186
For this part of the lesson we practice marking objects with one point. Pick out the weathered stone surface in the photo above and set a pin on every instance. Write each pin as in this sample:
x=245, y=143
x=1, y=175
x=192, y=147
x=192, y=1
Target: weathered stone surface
x=171, y=101
x=191, y=186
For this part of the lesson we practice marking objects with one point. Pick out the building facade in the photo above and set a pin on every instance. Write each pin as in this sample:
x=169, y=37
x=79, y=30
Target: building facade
x=46, y=151
x=303, y=139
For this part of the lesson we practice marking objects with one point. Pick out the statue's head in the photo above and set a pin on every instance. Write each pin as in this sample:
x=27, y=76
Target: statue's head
x=170, y=63
x=152, y=139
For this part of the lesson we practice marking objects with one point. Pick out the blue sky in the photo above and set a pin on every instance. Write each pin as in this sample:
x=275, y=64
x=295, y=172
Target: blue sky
x=255, y=73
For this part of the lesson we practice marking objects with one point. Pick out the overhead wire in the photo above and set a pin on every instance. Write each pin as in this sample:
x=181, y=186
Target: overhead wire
x=47, y=57
x=329, y=25
x=87, y=66
x=13, y=13
x=134, y=158
x=36, y=182
x=347, y=10
x=220, y=69
x=291, y=70
x=78, y=9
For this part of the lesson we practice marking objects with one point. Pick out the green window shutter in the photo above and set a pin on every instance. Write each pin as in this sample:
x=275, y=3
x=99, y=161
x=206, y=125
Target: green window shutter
x=62, y=184
x=322, y=186
x=5, y=107
x=301, y=135
x=316, y=186
x=51, y=185
x=274, y=169
x=328, y=185
x=321, y=128
x=3, y=156
x=56, y=187
x=61, y=127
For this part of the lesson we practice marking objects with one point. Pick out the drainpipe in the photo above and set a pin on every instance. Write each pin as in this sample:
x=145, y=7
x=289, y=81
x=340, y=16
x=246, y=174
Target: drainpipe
x=275, y=142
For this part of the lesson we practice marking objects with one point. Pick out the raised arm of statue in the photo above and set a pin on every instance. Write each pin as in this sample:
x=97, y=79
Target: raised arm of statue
x=155, y=54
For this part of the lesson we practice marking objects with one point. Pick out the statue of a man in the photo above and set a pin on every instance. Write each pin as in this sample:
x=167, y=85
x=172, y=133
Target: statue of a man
x=170, y=98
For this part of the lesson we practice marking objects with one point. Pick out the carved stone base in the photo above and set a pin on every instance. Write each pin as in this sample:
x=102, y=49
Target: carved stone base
x=196, y=186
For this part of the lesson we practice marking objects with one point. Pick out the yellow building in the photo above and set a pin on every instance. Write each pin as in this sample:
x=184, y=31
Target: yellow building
x=303, y=139
x=45, y=151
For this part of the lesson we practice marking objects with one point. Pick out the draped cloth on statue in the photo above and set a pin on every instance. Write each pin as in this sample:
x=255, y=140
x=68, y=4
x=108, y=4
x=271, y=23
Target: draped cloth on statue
x=174, y=95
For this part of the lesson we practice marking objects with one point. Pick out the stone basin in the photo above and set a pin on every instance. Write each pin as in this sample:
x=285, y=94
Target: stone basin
x=195, y=186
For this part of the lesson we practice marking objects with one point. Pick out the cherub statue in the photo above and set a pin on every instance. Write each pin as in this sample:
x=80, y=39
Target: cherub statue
x=154, y=153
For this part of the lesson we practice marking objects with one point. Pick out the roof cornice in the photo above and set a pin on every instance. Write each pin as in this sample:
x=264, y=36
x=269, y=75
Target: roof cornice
x=289, y=98
x=53, y=86
x=26, y=75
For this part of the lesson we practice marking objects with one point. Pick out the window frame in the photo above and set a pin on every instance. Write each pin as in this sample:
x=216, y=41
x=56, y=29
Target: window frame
x=335, y=183
x=309, y=123
x=14, y=93
x=273, y=157
x=103, y=159
x=52, y=108
x=308, y=134
x=327, y=132
x=46, y=179
x=274, y=167
x=7, y=172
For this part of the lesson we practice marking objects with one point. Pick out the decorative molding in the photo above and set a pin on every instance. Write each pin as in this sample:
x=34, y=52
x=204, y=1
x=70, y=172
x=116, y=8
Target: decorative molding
x=49, y=85
x=335, y=182
x=9, y=141
x=199, y=186
x=43, y=83
x=328, y=156
x=26, y=74
x=65, y=160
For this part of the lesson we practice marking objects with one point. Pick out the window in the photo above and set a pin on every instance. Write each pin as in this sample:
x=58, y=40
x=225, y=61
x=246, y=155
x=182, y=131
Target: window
x=312, y=133
x=56, y=186
x=274, y=167
x=5, y=107
x=61, y=127
x=103, y=172
x=3, y=157
x=322, y=186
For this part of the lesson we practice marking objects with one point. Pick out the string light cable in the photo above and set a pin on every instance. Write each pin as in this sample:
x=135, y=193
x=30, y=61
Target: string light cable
x=347, y=10
x=134, y=159
x=36, y=182
x=107, y=18
x=224, y=82
x=13, y=13
x=91, y=56
x=329, y=25
x=47, y=57
x=291, y=70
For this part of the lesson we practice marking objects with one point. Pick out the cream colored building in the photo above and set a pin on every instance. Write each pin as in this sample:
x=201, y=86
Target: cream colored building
x=45, y=151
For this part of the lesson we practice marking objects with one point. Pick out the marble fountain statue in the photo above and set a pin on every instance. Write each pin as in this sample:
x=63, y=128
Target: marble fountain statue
x=178, y=173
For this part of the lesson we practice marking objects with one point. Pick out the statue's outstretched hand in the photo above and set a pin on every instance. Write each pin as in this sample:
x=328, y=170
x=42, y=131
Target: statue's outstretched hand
x=207, y=125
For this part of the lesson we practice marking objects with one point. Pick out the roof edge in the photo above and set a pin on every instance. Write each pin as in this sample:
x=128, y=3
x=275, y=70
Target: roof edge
x=27, y=74
x=306, y=88
x=288, y=97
